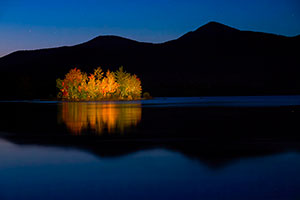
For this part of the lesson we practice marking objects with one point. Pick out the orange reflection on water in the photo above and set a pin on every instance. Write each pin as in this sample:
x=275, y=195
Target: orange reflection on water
x=99, y=117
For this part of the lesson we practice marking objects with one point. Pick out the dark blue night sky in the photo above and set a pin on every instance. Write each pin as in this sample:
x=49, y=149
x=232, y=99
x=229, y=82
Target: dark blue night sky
x=33, y=24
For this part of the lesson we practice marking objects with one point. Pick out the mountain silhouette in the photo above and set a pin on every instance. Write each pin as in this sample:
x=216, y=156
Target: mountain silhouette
x=215, y=59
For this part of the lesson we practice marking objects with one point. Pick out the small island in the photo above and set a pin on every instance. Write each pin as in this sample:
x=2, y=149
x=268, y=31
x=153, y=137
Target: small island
x=119, y=85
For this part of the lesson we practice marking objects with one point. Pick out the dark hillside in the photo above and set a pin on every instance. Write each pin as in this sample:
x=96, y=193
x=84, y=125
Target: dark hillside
x=212, y=60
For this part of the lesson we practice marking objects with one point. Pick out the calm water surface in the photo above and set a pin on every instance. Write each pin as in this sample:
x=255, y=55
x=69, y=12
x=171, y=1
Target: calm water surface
x=164, y=148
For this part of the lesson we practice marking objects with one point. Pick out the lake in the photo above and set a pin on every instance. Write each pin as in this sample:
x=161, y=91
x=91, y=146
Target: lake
x=163, y=148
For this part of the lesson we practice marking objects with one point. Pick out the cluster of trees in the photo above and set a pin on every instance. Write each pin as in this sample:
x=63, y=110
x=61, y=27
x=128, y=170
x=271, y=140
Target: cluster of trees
x=78, y=85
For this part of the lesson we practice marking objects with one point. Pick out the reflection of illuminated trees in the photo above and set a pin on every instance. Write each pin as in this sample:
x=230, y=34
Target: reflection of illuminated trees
x=114, y=85
x=99, y=117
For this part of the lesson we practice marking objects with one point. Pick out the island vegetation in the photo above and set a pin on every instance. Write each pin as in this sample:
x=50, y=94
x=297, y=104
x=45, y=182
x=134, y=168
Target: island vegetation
x=79, y=86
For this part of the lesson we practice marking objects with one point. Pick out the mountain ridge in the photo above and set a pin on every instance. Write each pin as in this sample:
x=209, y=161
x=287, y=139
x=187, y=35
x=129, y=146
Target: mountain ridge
x=214, y=59
x=205, y=27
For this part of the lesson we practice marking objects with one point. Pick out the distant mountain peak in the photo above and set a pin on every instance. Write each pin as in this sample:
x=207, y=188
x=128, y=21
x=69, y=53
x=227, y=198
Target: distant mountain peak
x=215, y=27
x=108, y=40
x=214, y=23
x=211, y=29
x=109, y=37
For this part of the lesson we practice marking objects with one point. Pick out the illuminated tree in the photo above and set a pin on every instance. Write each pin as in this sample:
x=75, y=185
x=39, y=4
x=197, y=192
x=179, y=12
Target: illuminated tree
x=134, y=87
x=122, y=79
x=90, y=87
x=98, y=74
x=71, y=85
x=109, y=84
x=114, y=85
x=60, y=86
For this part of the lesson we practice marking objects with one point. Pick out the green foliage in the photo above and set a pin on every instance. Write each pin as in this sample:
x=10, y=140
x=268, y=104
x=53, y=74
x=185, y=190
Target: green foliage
x=146, y=95
x=59, y=83
x=123, y=81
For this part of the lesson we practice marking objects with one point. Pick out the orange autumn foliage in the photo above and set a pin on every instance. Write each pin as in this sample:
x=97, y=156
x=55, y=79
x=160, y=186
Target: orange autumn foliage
x=78, y=85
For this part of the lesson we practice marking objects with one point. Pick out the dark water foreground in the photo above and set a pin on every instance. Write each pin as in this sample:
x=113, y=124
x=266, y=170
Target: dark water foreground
x=165, y=148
